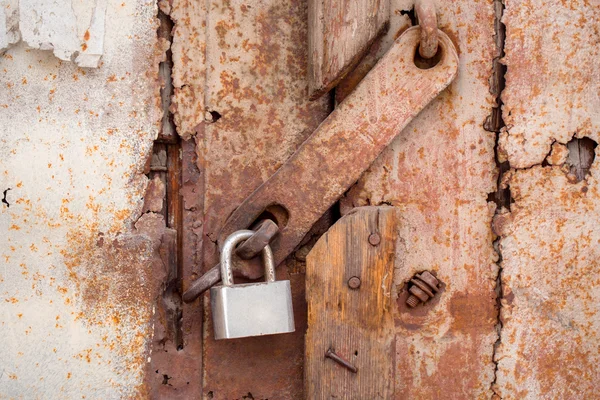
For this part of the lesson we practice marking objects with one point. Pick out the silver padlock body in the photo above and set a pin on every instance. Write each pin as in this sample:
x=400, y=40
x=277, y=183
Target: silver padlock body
x=252, y=309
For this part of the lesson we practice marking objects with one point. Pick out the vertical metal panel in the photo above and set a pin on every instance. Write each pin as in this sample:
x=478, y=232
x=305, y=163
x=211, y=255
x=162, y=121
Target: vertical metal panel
x=257, y=88
x=550, y=235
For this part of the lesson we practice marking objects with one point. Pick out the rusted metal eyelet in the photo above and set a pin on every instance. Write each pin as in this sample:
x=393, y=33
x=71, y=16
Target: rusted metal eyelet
x=425, y=10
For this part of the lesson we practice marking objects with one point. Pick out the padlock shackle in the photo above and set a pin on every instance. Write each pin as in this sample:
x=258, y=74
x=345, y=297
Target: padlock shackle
x=227, y=253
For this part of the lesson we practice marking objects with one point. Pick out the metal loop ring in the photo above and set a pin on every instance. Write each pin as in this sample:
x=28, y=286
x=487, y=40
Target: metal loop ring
x=265, y=233
x=425, y=10
x=227, y=254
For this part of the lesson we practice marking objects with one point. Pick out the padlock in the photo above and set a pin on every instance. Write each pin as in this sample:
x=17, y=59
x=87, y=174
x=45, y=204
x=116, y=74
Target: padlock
x=250, y=309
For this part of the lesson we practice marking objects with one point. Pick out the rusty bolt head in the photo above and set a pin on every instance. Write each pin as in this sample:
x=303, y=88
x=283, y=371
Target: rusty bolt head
x=428, y=278
x=424, y=286
x=374, y=239
x=354, y=282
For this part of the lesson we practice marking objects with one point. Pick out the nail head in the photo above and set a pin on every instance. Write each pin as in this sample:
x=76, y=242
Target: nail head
x=374, y=239
x=354, y=282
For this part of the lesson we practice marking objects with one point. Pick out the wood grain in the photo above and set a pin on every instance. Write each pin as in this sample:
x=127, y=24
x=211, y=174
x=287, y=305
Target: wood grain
x=340, y=32
x=356, y=323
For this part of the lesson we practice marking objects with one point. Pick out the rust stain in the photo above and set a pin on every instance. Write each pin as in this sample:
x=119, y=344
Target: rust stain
x=549, y=248
x=256, y=83
x=439, y=172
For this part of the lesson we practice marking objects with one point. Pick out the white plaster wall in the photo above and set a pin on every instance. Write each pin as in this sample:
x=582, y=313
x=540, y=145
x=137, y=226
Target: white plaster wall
x=72, y=29
x=74, y=283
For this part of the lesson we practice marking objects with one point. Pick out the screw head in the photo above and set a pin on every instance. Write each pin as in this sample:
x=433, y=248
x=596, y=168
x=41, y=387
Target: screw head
x=374, y=239
x=354, y=282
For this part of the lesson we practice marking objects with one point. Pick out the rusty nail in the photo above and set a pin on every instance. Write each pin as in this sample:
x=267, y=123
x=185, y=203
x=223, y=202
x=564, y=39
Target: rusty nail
x=331, y=354
x=354, y=282
x=424, y=286
x=374, y=239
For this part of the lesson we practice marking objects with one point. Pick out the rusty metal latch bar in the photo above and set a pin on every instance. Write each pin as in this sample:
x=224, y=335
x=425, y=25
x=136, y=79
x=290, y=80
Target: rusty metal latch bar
x=343, y=146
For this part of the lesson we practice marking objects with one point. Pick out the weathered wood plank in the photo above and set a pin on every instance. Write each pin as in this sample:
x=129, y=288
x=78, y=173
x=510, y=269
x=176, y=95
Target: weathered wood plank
x=340, y=33
x=356, y=323
x=439, y=172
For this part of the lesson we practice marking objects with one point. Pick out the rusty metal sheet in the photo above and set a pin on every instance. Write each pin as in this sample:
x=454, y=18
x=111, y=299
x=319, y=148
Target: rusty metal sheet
x=552, y=74
x=176, y=368
x=550, y=308
x=549, y=236
x=256, y=90
x=79, y=276
x=439, y=173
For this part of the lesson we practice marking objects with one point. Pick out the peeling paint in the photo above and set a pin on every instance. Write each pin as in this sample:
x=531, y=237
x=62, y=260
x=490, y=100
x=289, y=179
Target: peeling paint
x=550, y=248
x=72, y=30
x=9, y=23
x=189, y=57
x=551, y=83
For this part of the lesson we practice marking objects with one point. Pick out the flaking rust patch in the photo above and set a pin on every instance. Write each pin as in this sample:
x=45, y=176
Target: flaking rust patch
x=552, y=76
x=550, y=272
x=189, y=59
x=117, y=279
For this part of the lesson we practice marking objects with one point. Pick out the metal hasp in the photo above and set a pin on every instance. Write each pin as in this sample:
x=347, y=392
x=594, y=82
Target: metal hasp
x=337, y=153
x=252, y=309
x=348, y=141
